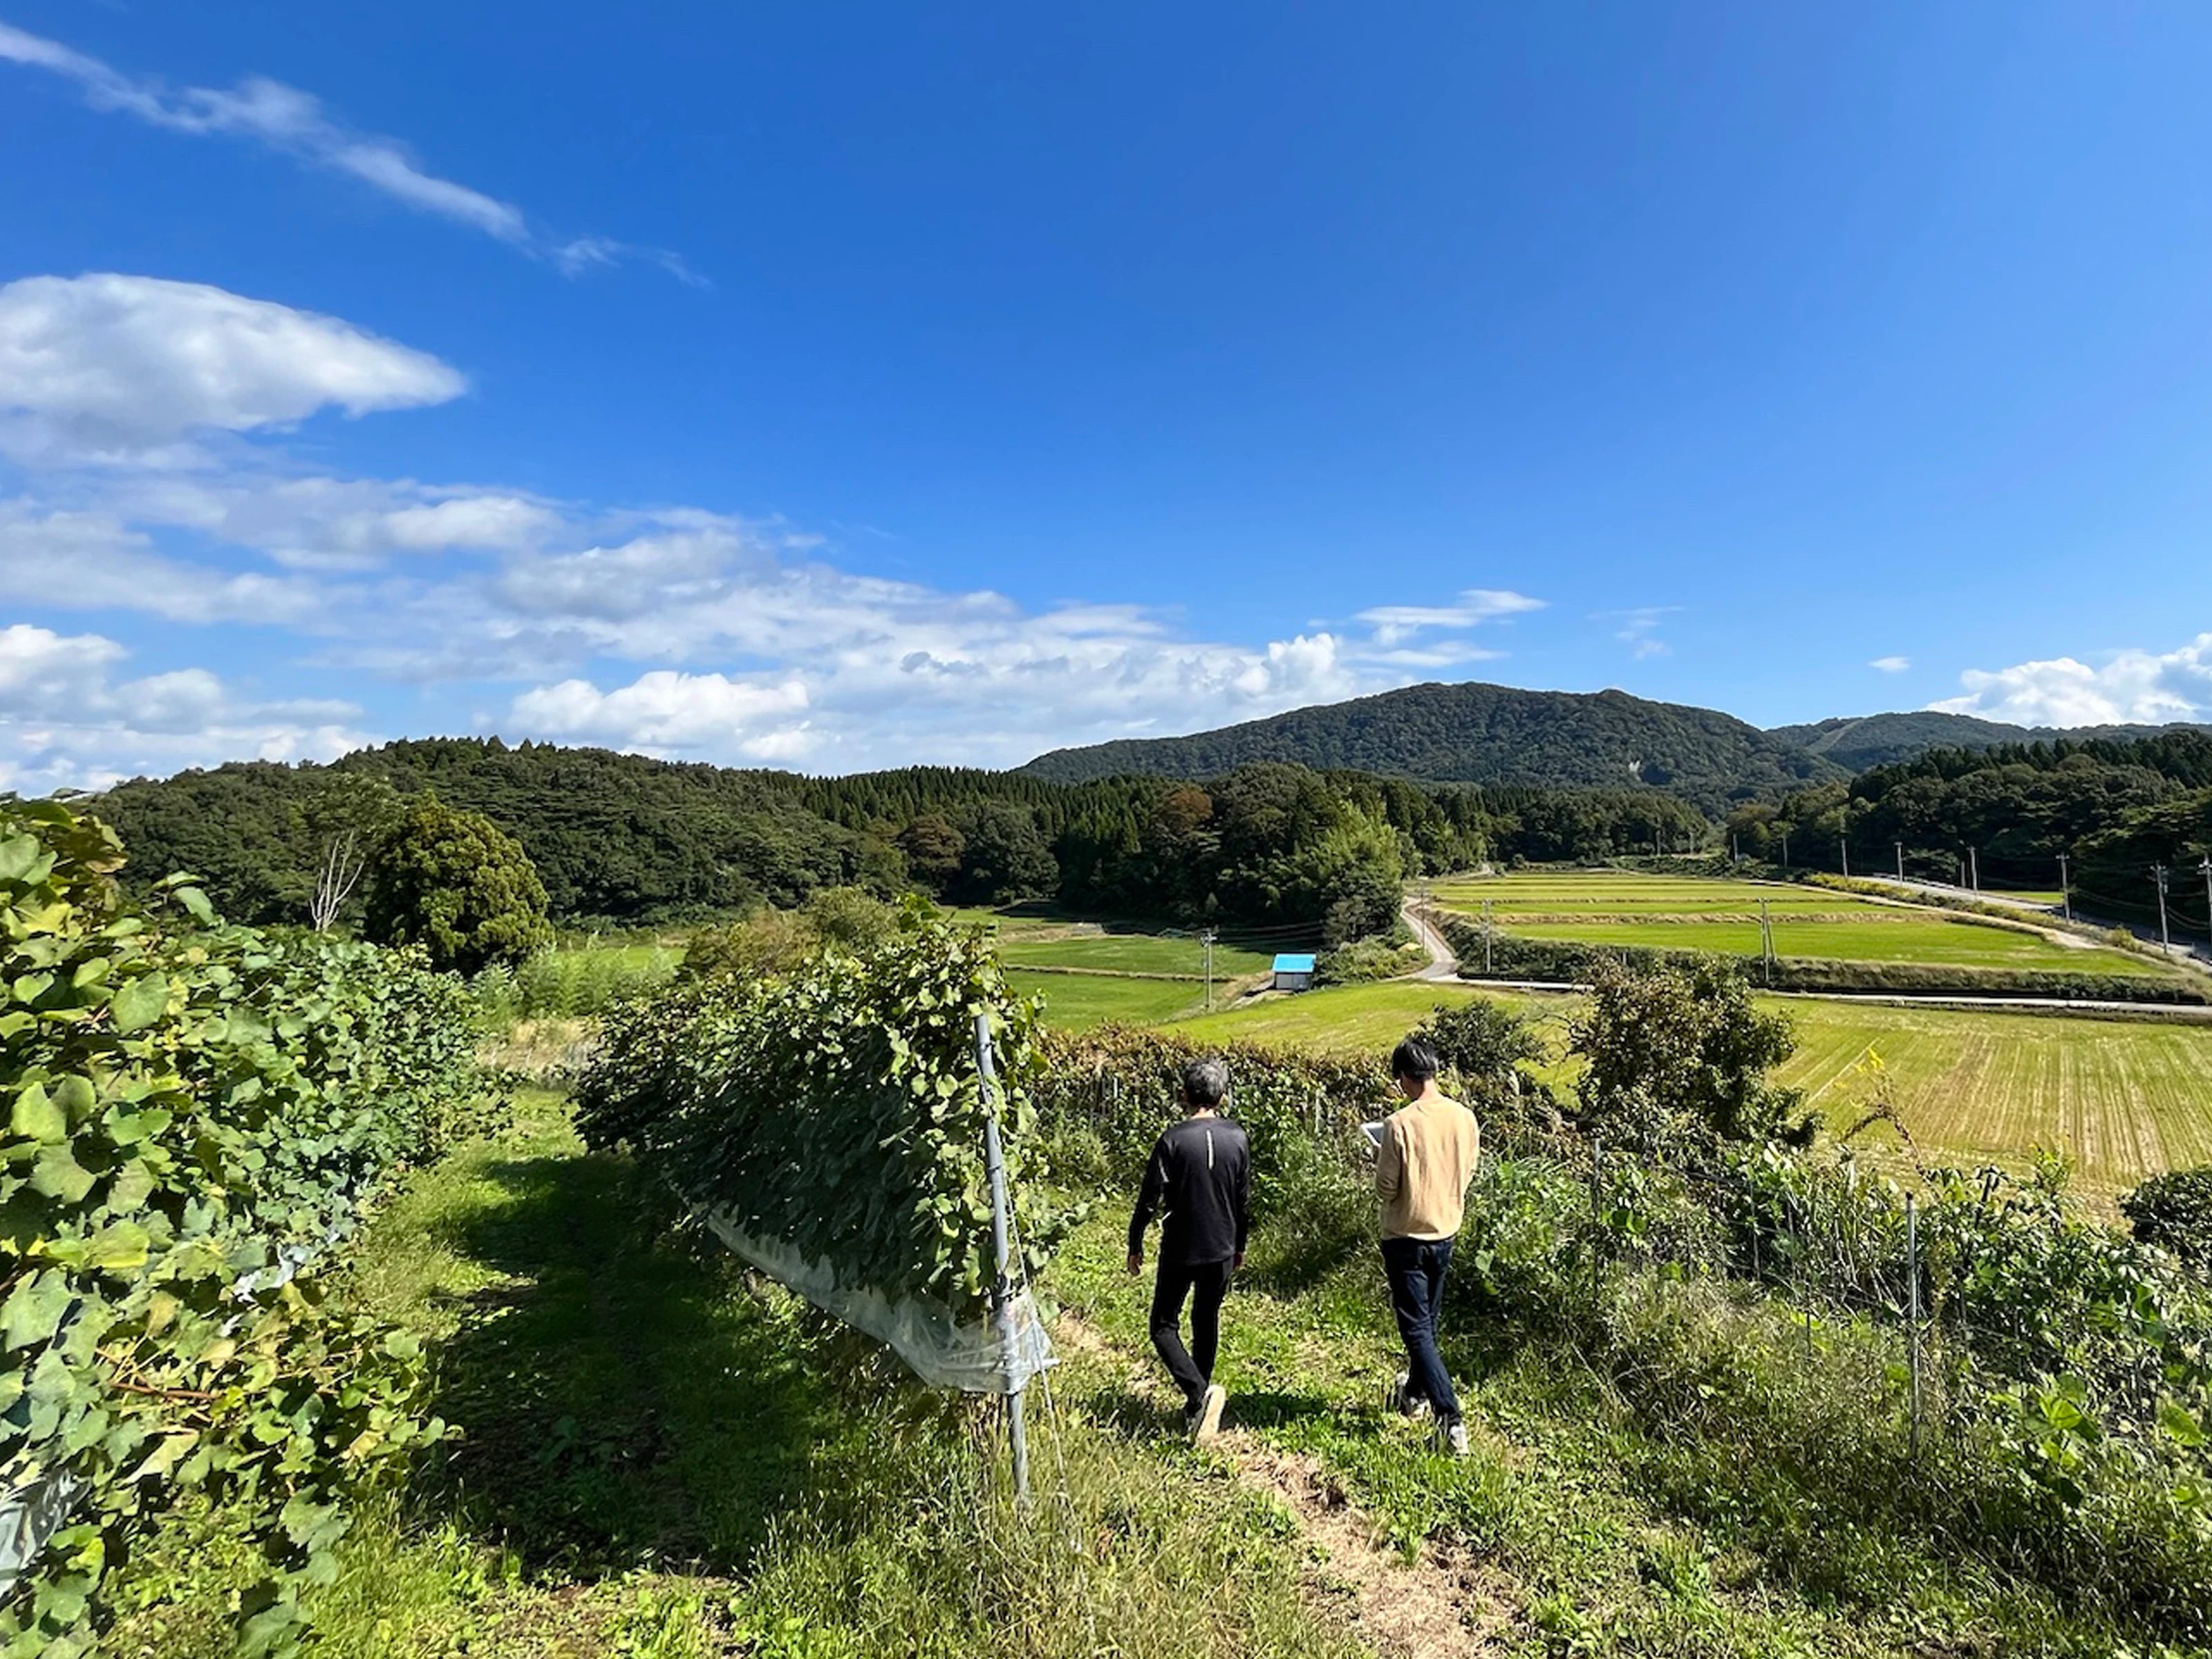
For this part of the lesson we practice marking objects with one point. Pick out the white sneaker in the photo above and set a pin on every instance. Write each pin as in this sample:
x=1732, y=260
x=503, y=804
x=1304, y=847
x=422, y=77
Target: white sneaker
x=1456, y=1439
x=1209, y=1414
x=1405, y=1401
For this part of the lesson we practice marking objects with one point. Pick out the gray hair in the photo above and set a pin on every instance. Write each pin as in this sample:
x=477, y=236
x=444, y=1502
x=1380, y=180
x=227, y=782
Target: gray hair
x=1206, y=1082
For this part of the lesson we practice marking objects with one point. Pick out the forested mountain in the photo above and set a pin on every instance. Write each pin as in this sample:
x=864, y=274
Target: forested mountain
x=1867, y=740
x=624, y=838
x=1487, y=734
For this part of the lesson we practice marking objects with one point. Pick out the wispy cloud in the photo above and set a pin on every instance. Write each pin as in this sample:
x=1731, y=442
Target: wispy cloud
x=1891, y=664
x=1395, y=623
x=1638, y=629
x=297, y=123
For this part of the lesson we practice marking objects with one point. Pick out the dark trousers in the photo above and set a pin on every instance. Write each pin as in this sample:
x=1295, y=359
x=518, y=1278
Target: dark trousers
x=1204, y=1285
x=1416, y=1269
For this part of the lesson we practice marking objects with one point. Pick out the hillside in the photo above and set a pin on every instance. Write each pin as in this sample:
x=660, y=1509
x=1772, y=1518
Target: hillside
x=1476, y=733
x=1857, y=742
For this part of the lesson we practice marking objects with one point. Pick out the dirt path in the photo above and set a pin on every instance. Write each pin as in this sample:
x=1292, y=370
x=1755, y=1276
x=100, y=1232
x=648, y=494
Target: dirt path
x=1435, y=1607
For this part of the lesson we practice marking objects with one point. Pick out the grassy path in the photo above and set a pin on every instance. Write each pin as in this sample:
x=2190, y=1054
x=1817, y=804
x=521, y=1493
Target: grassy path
x=1574, y=1528
x=663, y=1458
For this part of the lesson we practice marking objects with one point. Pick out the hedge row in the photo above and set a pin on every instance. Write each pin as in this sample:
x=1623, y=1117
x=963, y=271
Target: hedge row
x=1512, y=955
x=834, y=1108
x=193, y=1113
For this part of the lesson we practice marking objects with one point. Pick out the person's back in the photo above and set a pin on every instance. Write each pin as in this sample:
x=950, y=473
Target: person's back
x=1200, y=1174
x=1423, y=1165
x=1197, y=1176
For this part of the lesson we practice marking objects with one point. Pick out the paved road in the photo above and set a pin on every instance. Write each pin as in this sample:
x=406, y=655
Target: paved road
x=1442, y=964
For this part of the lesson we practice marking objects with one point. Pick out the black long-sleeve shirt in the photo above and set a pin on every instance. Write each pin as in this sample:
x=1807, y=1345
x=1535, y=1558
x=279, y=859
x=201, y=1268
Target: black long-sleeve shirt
x=1200, y=1172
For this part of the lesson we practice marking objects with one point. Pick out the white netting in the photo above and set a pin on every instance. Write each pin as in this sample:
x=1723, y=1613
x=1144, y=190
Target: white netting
x=973, y=1358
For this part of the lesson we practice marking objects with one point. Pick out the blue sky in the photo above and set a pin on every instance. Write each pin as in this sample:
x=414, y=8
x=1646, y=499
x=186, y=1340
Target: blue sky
x=838, y=387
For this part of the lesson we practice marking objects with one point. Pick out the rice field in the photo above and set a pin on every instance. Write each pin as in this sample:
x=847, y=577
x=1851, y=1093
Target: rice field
x=2124, y=1099
x=1691, y=913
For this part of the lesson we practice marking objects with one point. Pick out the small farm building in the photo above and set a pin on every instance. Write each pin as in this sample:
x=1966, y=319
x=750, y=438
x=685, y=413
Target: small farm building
x=1294, y=973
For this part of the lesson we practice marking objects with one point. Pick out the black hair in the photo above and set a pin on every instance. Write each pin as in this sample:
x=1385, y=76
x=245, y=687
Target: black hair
x=1413, y=1059
x=1206, y=1082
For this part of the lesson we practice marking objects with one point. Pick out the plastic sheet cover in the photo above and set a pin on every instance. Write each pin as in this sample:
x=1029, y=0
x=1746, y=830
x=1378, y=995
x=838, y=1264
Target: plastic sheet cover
x=973, y=1357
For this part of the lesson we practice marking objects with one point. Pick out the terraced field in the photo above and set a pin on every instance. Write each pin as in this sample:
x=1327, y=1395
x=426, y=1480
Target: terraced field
x=1692, y=912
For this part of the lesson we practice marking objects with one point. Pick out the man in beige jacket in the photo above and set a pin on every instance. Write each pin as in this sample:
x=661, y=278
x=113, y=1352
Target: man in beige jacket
x=1423, y=1165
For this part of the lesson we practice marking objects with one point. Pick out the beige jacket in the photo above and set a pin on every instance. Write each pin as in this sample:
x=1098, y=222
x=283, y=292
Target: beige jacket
x=1422, y=1166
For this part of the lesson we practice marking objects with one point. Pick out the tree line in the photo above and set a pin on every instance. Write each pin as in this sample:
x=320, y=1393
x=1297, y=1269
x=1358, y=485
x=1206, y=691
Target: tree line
x=626, y=839
x=2113, y=810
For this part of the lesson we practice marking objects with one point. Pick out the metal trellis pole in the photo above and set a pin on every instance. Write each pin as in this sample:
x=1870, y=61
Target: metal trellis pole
x=1002, y=1301
x=1913, y=1315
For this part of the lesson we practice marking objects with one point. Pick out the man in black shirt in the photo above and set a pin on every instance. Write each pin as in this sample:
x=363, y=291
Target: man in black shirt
x=1200, y=1174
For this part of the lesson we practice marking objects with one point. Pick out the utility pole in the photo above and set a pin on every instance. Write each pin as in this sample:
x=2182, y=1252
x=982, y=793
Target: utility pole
x=1766, y=943
x=2165, y=943
x=2207, y=868
x=2065, y=890
x=1843, y=846
x=1974, y=865
x=1207, y=939
x=1485, y=936
x=1785, y=851
x=1900, y=861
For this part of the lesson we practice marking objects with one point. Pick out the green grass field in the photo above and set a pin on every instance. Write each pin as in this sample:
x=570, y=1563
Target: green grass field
x=1628, y=892
x=1690, y=913
x=1076, y=1002
x=1132, y=953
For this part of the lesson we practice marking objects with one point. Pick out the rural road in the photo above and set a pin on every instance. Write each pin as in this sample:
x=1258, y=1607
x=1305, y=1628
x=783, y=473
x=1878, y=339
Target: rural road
x=1442, y=964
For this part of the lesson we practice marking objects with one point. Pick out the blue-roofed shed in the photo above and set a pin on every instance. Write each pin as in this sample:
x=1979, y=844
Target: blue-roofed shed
x=1294, y=972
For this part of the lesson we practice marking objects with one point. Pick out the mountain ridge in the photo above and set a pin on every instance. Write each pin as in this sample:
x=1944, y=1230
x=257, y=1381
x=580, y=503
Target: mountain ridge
x=1474, y=733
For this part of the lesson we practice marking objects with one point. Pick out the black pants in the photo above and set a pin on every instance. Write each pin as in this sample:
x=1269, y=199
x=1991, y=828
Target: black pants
x=1203, y=1285
x=1416, y=1269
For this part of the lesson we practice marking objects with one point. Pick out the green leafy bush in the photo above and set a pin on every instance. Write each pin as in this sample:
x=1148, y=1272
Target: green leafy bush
x=2174, y=1210
x=458, y=885
x=194, y=1112
x=834, y=1108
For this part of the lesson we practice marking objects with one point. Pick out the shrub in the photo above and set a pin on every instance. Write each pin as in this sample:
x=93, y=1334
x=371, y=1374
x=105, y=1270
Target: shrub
x=1672, y=1051
x=2173, y=1211
x=460, y=887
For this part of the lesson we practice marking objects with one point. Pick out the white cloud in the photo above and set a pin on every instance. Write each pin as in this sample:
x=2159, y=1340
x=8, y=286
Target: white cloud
x=2132, y=687
x=94, y=561
x=666, y=710
x=1395, y=622
x=1638, y=629
x=1891, y=664
x=65, y=722
x=677, y=631
x=120, y=369
x=295, y=124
